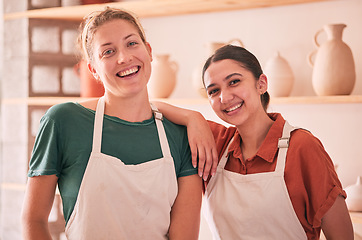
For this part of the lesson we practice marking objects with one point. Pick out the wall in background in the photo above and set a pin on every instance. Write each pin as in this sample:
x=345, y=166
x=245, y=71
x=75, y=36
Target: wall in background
x=289, y=30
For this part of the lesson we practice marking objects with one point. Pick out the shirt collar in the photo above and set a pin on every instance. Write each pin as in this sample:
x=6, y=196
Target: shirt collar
x=269, y=147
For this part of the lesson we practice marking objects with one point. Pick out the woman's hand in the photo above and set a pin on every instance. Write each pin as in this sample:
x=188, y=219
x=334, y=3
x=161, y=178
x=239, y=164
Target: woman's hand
x=202, y=144
x=201, y=139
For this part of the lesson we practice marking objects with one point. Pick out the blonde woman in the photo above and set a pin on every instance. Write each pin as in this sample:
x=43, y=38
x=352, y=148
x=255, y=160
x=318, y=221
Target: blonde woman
x=123, y=170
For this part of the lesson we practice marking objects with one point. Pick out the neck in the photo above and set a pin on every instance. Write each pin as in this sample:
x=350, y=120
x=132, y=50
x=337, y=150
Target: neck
x=253, y=134
x=134, y=109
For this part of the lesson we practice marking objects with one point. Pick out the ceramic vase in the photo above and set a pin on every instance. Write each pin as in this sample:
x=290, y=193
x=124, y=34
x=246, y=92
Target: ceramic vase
x=333, y=67
x=89, y=86
x=211, y=47
x=280, y=76
x=163, y=77
x=354, y=196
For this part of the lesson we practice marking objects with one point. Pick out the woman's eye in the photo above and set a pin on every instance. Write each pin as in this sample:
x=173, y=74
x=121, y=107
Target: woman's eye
x=233, y=82
x=133, y=43
x=212, y=92
x=107, y=52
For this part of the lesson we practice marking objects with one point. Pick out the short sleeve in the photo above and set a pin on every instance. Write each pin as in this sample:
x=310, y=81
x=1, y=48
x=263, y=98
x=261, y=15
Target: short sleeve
x=316, y=185
x=44, y=158
x=185, y=153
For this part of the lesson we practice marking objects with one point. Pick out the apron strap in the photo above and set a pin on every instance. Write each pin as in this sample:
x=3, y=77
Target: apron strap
x=98, y=126
x=161, y=132
x=224, y=157
x=283, y=145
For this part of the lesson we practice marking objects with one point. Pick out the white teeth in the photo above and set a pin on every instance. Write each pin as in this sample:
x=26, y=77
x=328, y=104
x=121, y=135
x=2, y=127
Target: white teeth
x=128, y=71
x=233, y=108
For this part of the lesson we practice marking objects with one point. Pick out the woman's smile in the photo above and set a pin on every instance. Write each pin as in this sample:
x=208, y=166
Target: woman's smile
x=128, y=72
x=233, y=108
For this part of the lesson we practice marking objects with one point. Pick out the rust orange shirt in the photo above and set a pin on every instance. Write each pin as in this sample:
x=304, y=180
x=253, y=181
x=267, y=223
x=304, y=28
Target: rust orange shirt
x=310, y=177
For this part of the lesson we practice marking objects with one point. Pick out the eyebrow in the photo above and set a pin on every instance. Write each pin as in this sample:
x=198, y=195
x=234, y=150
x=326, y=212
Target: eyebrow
x=125, y=38
x=226, y=78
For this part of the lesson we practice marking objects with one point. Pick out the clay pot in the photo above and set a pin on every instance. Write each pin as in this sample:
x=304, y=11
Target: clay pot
x=333, y=69
x=163, y=77
x=89, y=86
x=354, y=196
x=280, y=76
x=197, y=73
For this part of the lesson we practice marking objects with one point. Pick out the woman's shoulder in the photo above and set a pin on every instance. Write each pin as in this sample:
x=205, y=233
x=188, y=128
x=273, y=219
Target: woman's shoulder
x=173, y=128
x=67, y=110
x=61, y=109
x=304, y=138
x=308, y=148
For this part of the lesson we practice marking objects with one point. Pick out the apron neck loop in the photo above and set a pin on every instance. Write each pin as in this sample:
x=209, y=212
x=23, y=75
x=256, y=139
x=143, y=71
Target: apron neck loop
x=158, y=115
x=161, y=131
x=98, y=126
x=283, y=145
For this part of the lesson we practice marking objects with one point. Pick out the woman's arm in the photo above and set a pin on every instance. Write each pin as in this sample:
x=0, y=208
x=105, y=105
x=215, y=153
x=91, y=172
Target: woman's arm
x=39, y=196
x=200, y=137
x=336, y=223
x=185, y=213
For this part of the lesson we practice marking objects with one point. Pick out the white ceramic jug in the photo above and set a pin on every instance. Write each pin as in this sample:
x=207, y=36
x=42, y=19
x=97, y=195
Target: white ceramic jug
x=197, y=73
x=280, y=76
x=163, y=77
x=354, y=196
x=333, y=69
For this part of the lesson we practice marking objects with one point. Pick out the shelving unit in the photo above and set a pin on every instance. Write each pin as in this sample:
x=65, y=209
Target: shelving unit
x=154, y=8
x=159, y=8
x=48, y=101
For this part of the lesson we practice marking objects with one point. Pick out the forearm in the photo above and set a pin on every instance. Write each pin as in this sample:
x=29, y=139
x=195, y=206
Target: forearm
x=36, y=230
x=185, y=213
x=38, y=201
x=336, y=224
x=201, y=139
x=178, y=115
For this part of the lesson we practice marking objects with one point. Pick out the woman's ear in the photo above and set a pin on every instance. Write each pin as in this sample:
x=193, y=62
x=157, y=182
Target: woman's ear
x=148, y=46
x=262, y=84
x=93, y=71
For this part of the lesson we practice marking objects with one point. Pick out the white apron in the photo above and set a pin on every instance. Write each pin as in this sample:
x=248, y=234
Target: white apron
x=252, y=206
x=118, y=201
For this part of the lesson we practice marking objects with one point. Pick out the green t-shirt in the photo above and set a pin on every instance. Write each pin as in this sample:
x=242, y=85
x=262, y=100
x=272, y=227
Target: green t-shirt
x=64, y=143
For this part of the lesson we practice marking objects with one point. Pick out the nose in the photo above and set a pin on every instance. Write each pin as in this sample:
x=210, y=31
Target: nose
x=225, y=96
x=123, y=56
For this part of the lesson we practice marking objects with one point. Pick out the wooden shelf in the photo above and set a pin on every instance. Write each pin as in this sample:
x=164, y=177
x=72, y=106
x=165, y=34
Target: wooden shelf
x=48, y=101
x=356, y=217
x=153, y=8
x=318, y=99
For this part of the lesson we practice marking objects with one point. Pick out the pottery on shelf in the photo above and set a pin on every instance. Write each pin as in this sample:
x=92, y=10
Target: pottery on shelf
x=280, y=76
x=163, y=76
x=197, y=73
x=89, y=86
x=354, y=196
x=333, y=67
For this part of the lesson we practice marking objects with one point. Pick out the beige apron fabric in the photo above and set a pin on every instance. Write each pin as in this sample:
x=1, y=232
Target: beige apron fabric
x=118, y=201
x=252, y=206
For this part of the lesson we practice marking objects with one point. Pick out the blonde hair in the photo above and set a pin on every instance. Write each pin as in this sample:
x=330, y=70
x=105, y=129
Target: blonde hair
x=94, y=20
